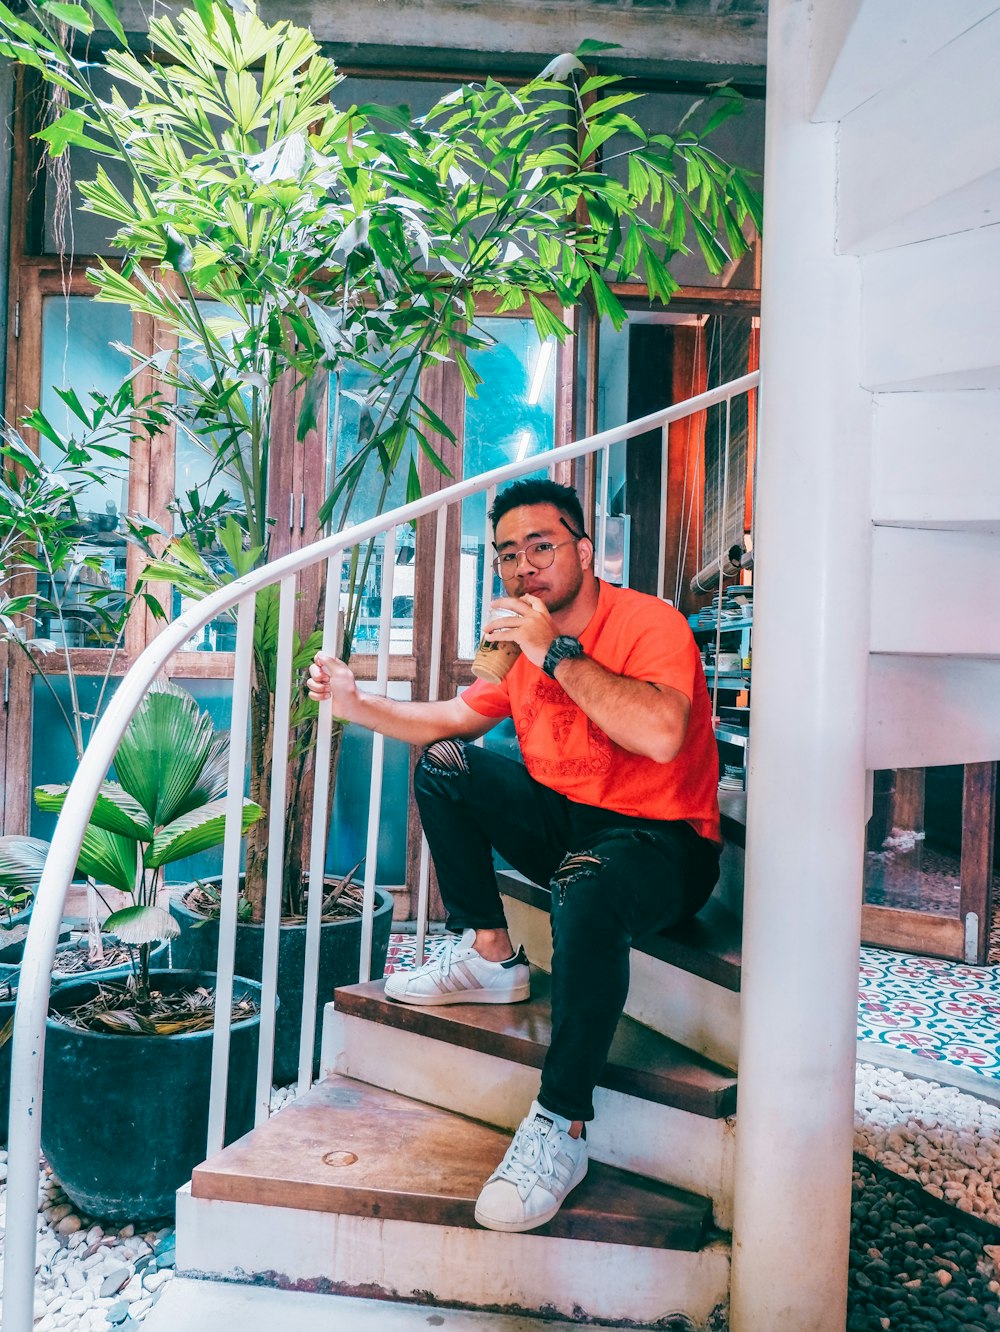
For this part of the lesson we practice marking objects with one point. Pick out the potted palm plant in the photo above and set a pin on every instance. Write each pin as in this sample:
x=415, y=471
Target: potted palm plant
x=272, y=232
x=128, y=1061
x=54, y=587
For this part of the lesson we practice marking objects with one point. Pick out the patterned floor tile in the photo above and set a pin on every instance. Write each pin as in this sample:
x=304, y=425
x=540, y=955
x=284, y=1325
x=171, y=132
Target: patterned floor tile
x=402, y=951
x=941, y=1011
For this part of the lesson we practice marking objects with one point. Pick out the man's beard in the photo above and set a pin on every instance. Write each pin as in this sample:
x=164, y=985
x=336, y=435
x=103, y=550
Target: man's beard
x=567, y=598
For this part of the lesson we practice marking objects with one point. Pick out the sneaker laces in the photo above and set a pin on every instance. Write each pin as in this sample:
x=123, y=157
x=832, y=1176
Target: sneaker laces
x=446, y=957
x=443, y=962
x=529, y=1158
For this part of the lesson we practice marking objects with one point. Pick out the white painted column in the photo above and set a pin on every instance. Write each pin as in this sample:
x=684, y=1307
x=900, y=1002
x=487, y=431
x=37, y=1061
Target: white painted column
x=806, y=809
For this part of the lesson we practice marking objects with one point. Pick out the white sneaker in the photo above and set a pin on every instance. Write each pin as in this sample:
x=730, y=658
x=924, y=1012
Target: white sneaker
x=458, y=975
x=542, y=1165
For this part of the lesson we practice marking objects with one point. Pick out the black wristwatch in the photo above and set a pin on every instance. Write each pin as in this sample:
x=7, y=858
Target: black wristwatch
x=561, y=649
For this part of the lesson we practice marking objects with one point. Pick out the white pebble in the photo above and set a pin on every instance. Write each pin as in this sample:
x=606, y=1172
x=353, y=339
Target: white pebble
x=132, y=1290
x=74, y=1278
x=944, y=1139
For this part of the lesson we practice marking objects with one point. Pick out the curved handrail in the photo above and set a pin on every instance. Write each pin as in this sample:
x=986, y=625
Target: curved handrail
x=27, y=1058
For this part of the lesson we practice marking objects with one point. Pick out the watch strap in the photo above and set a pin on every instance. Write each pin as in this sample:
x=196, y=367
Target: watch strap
x=562, y=648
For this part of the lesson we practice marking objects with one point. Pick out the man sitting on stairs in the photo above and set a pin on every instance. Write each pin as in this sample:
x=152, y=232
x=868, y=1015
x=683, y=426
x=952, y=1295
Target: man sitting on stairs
x=615, y=807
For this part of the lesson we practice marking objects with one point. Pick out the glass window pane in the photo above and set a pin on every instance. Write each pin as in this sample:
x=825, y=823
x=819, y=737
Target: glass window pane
x=53, y=747
x=914, y=840
x=195, y=463
x=196, y=469
x=77, y=352
x=351, y=418
x=364, y=607
x=348, y=839
x=511, y=418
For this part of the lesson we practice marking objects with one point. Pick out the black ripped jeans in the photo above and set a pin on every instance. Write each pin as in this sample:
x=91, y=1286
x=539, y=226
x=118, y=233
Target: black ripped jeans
x=613, y=879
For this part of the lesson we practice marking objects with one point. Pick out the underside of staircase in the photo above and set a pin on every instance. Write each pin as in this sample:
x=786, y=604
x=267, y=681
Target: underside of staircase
x=366, y=1185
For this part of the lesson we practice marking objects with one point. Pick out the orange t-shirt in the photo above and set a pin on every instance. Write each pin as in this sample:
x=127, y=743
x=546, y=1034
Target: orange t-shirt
x=638, y=636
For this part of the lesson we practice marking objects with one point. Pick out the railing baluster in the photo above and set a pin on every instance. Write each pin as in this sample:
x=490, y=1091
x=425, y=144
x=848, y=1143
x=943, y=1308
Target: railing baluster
x=275, y=842
x=661, y=558
x=320, y=829
x=602, y=521
x=721, y=553
x=433, y=692
x=487, y=595
x=378, y=756
x=231, y=873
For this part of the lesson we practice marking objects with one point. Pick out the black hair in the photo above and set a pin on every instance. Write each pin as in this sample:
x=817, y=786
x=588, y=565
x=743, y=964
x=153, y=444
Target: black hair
x=539, y=490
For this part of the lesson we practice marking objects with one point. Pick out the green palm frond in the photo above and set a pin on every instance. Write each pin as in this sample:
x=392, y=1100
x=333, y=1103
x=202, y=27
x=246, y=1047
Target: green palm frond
x=114, y=810
x=164, y=751
x=142, y=925
x=197, y=831
x=109, y=858
x=211, y=782
x=22, y=860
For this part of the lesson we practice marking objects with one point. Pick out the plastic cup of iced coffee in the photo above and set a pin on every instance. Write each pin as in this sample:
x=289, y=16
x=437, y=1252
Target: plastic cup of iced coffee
x=495, y=657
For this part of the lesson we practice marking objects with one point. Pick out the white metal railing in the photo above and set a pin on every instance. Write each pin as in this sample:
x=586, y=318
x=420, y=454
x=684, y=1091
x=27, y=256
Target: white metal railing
x=39, y=952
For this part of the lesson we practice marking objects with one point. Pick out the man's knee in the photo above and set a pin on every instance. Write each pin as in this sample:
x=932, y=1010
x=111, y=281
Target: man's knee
x=577, y=880
x=440, y=765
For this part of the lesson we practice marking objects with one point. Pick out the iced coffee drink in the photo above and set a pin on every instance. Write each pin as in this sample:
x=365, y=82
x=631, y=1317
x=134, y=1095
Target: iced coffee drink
x=495, y=657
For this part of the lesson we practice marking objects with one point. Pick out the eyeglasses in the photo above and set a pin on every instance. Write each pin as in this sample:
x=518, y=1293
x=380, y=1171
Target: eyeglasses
x=539, y=555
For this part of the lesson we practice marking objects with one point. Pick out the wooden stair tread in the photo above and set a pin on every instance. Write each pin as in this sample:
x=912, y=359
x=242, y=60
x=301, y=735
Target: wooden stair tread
x=641, y=1063
x=710, y=945
x=349, y=1148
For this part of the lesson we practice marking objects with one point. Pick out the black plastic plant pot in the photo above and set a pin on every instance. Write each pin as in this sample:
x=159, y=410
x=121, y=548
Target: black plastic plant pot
x=339, y=959
x=125, y=1118
x=12, y=954
x=119, y=971
x=6, y=1013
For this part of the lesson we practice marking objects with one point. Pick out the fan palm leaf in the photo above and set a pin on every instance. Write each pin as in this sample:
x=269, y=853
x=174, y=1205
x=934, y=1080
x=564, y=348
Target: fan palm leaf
x=22, y=860
x=114, y=810
x=198, y=830
x=109, y=857
x=164, y=752
x=142, y=925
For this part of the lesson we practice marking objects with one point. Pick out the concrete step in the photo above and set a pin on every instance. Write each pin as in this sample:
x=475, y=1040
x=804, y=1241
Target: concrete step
x=933, y=592
x=886, y=194
x=926, y=324
x=684, y=984
x=661, y=1111
x=187, y=1305
x=934, y=460
x=352, y=1189
x=929, y=710
x=862, y=47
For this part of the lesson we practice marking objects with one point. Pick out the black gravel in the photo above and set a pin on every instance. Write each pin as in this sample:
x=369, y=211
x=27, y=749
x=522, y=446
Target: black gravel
x=917, y=1264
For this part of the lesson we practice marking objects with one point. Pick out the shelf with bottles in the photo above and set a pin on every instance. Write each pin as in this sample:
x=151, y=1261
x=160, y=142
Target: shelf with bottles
x=723, y=632
x=725, y=641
